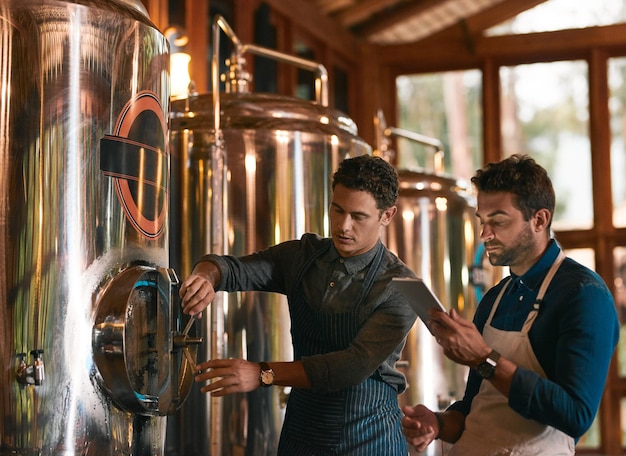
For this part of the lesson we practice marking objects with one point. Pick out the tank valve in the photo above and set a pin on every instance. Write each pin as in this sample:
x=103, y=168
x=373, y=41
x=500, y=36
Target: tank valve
x=184, y=341
x=32, y=374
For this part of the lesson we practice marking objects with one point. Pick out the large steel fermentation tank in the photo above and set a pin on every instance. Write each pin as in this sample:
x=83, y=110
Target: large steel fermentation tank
x=91, y=352
x=434, y=233
x=270, y=182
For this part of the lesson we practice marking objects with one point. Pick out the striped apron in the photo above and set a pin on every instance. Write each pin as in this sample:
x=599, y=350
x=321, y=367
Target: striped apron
x=363, y=420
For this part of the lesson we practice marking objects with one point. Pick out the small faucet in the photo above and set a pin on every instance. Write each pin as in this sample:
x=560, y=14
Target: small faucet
x=38, y=368
x=32, y=374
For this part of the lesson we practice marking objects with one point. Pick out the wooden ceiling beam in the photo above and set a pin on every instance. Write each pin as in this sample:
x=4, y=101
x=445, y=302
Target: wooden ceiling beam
x=453, y=54
x=562, y=44
x=498, y=13
x=331, y=7
x=307, y=17
x=364, y=10
x=474, y=24
x=468, y=29
x=398, y=16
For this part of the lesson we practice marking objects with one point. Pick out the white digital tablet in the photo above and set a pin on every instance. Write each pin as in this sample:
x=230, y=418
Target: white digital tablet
x=421, y=298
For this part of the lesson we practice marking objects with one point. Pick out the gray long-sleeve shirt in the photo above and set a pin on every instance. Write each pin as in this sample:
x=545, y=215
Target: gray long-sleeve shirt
x=332, y=284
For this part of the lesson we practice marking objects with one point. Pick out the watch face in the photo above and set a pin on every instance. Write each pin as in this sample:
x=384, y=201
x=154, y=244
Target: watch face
x=486, y=370
x=267, y=377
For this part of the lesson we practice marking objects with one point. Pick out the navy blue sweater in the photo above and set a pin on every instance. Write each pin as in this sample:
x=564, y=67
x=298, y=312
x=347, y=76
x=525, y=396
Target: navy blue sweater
x=573, y=337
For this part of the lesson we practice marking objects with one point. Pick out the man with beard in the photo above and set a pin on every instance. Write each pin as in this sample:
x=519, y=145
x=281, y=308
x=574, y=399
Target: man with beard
x=348, y=325
x=541, y=341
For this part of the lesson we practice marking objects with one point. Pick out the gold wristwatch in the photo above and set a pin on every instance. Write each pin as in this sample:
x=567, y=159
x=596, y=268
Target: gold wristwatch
x=267, y=375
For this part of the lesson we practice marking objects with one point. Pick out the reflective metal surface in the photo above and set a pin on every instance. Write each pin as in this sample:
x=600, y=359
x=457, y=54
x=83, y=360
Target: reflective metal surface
x=280, y=154
x=145, y=362
x=435, y=234
x=83, y=197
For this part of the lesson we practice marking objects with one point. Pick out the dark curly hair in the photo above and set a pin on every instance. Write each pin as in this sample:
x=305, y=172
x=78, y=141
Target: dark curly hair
x=371, y=174
x=522, y=176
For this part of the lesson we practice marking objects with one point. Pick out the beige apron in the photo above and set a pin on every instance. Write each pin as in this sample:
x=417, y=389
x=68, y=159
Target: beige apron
x=492, y=428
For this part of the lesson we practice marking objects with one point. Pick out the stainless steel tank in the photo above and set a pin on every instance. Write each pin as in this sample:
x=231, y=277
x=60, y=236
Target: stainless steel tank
x=277, y=160
x=91, y=350
x=434, y=233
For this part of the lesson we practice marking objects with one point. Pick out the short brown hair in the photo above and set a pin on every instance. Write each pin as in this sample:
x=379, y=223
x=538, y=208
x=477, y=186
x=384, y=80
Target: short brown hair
x=371, y=174
x=522, y=176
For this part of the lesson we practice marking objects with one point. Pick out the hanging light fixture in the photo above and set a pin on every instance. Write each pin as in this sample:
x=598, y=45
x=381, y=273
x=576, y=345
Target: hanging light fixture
x=179, y=62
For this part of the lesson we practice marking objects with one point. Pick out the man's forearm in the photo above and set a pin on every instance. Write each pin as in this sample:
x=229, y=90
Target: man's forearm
x=451, y=425
x=208, y=270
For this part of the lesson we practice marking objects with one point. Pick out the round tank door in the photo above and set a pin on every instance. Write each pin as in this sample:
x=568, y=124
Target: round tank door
x=145, y=361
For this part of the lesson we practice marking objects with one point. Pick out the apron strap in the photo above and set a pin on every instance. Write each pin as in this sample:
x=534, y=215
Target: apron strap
x=497, y=301
x=542, y=291
x=371, y=274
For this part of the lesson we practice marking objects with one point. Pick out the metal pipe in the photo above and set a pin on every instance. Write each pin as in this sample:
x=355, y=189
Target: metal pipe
x=421, y=139
x=320, y=72
x=383, y=132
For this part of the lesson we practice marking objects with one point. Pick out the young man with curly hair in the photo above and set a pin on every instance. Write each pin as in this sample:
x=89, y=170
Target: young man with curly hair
x=348, y=325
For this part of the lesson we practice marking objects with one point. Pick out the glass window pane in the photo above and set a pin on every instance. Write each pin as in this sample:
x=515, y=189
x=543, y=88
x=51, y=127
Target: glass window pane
x=591, y=439
x=305, y=87
x=586, y=257
x=617, y=106
x=545, y=111
x=340, y=89
x=445, y=107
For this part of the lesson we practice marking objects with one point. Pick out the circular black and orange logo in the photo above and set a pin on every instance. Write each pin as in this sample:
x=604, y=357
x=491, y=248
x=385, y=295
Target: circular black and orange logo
x=135, y=156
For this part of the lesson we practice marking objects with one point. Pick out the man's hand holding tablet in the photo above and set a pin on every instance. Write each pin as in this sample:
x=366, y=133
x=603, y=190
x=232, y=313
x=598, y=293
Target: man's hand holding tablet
x=421, y=298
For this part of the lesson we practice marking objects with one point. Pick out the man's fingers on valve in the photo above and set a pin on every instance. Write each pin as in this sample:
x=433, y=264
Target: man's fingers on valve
x=216, y=376
x=189, y=290
x=217, y=387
